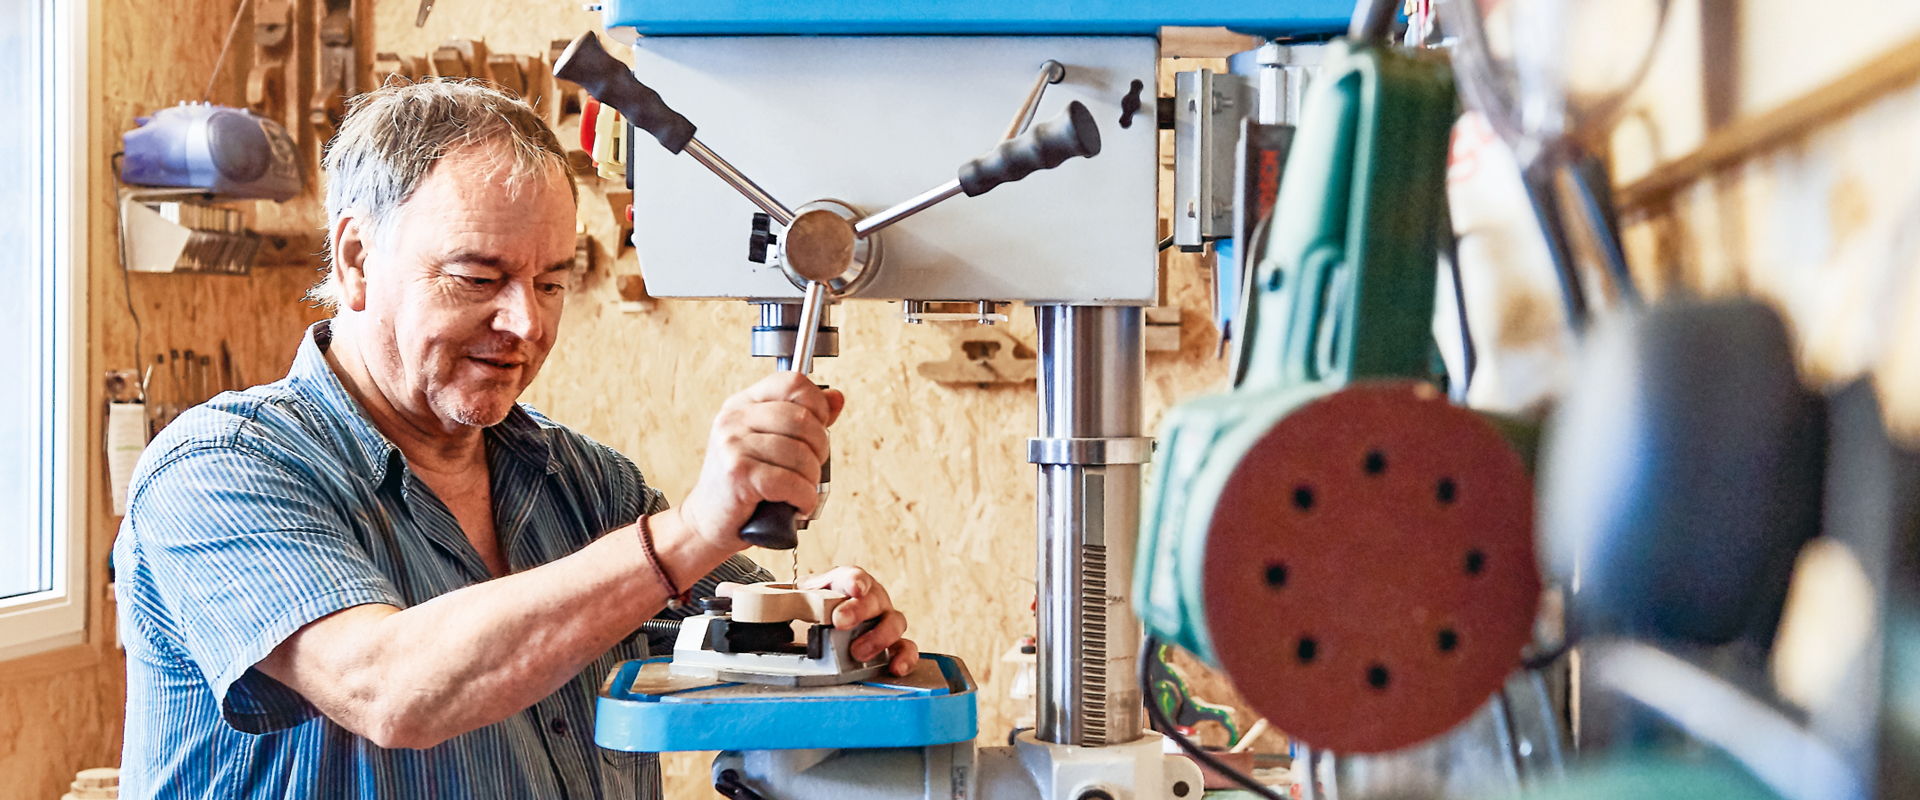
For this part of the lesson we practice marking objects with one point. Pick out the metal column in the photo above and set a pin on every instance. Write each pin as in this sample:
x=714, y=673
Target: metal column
x=1089, y=453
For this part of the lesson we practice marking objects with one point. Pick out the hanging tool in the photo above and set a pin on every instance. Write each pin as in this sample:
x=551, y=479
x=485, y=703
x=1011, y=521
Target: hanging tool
x=1355, y=552
x=1687, y=440
x=829, y=249
x=420, y=18
x=336, y=66
x=269, y=80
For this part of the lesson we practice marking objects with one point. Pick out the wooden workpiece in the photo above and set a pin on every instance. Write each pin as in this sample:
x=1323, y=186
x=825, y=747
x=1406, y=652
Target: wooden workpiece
x=781, y=602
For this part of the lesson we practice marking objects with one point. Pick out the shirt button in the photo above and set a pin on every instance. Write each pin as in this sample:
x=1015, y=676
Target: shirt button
x=558, y=726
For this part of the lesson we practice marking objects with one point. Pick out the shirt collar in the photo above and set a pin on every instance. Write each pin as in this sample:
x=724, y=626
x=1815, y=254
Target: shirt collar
x=519, y=435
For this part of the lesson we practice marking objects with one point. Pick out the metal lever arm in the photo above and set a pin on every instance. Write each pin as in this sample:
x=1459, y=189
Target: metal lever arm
x=774, y=525
x=587, y=63
x=1046, y=146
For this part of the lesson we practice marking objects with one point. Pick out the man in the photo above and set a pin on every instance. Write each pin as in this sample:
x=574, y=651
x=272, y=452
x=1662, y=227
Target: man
x=380, y=576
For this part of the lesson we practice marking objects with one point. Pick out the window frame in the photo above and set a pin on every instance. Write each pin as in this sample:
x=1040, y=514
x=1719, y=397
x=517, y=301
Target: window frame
x=42, y=621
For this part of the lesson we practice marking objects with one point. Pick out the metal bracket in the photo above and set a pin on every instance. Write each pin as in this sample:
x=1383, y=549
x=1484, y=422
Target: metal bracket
x=1207, y=108
x=1118, y=450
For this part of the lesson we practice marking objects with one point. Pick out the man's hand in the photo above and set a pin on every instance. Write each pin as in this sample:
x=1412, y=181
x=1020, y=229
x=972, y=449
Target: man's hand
x=768, y=443
x=866, y=599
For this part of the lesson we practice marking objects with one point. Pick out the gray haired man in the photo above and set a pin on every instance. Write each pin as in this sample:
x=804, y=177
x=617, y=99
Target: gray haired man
x=382, y=577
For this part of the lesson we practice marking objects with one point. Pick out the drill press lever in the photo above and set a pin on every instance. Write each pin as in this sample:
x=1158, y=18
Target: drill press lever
x=829, y=249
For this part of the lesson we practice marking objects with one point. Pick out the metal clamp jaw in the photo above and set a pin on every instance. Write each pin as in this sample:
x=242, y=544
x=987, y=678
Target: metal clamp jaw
x=714, y=646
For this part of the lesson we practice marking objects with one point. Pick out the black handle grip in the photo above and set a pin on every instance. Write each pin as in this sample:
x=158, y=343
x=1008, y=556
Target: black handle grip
x=772, y=527
x=587, y=63
x=1048, y=145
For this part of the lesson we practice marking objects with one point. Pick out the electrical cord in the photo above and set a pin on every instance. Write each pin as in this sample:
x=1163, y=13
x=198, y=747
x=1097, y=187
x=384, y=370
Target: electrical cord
x=126, y=273
x=1148, y=645
x=1540, y=661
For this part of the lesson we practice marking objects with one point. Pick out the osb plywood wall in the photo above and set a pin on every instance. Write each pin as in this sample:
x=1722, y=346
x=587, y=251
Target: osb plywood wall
x=63, y=711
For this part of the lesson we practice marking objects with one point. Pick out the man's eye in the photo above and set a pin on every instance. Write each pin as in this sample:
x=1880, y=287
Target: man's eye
x=475, y=281
x=553, y=288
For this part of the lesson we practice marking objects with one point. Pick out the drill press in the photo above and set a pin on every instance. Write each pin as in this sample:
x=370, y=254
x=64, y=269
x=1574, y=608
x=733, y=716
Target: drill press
x=860, y=90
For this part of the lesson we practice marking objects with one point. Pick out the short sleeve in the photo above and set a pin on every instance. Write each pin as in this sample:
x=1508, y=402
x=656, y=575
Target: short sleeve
x=241, y=552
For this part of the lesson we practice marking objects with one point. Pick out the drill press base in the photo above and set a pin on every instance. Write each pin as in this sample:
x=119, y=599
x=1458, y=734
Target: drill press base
x=1029, y=770
x=645, y=707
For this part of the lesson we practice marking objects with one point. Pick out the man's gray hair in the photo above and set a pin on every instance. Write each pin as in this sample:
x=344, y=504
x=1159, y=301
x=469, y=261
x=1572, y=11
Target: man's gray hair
x=393, y=137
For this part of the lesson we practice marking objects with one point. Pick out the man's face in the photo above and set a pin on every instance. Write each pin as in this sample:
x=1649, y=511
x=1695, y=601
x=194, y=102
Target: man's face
x=464, y=292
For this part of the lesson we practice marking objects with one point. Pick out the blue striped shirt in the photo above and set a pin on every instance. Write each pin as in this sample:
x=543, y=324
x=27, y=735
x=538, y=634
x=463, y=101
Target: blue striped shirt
x=259, y=512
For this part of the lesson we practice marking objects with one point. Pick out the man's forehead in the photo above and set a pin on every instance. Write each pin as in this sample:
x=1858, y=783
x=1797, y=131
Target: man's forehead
x=487, y=258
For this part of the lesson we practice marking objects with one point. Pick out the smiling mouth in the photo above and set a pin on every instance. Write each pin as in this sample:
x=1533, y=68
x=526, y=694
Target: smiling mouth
x=498, y=364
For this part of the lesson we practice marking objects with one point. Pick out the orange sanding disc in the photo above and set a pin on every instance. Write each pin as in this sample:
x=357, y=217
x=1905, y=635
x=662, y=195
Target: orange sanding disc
x=1370, y=571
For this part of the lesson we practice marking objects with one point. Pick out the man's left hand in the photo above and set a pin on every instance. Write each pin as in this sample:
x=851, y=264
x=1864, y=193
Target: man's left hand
x=866, y=599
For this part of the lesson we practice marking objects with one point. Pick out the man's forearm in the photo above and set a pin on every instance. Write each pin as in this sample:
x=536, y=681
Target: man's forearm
x=476, y=656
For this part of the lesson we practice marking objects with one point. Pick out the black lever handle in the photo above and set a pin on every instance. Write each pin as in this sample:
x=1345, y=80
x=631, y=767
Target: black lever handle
x=587, y=63
x=1046, y=146
x=772, y=526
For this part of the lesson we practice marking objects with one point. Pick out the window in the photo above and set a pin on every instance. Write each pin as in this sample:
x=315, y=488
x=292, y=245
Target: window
x=43, y=585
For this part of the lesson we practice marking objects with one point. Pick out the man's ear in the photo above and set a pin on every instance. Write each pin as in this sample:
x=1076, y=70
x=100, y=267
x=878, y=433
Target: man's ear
x=350, y=249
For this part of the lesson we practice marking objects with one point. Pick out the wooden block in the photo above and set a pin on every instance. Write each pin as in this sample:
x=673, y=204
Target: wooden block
x=981, y=355
x=295, y=248
x=392, y=68
x=633, y=288
x=621, y=203
x=781, y=602
x=462, y=58
x=1161, y=338
x=505, y=68
x=97, y=777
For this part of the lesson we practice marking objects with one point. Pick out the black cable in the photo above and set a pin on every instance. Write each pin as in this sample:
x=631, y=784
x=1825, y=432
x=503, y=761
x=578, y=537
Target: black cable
x=1469, y=355
x=126, y=279
x=1148, y=646
x=1166, y=243
x=1540, y=661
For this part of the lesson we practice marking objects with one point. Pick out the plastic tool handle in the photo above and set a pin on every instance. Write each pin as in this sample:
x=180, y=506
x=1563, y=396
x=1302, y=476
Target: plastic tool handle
x=608, y=80
x=1046, y=146
x=772, y=526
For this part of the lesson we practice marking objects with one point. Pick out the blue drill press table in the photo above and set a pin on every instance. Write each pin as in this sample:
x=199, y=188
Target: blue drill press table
x=644, y=708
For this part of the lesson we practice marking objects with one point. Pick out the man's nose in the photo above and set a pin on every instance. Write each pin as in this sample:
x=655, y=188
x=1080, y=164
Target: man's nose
x=517, y=310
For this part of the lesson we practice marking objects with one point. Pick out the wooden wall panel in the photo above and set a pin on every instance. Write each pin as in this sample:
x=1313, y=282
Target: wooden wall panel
x=63, y=711
x=1819, y=222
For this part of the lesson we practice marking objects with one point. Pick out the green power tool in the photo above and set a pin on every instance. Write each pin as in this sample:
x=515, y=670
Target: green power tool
x=1354, y=551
